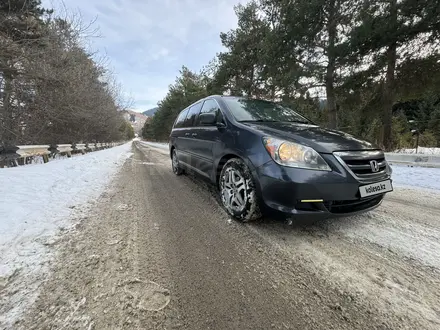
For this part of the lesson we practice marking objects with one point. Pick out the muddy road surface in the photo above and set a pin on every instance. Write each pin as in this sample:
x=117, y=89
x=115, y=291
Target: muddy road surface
x=156, y=251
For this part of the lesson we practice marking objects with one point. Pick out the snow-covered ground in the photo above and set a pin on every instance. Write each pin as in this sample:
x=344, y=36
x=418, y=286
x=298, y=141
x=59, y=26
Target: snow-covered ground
x=419, y=177
x=420, y=150
x=36, y=203
x=160, y=145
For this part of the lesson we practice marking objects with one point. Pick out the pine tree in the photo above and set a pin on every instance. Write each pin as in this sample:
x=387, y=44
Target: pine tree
x=312, y=32
x=188, y=88
x=20, y=27
x=390, y=32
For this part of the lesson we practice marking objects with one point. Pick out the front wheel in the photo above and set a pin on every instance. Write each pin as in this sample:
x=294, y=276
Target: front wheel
x=237, y=191
x=175, y=164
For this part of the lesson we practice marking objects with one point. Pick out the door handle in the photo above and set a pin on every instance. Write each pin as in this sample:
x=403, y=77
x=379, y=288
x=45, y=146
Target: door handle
x=194, y=134
x=186, y=134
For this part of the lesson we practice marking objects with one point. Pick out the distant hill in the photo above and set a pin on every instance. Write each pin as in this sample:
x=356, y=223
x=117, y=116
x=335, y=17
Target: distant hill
x=150, y=112
x=136, y=119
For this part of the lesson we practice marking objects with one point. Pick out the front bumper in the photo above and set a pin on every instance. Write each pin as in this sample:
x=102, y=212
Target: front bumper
x=283, y=188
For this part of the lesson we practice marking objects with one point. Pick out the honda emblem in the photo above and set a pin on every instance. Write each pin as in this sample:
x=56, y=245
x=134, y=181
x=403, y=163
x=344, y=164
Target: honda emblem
x=374, y=166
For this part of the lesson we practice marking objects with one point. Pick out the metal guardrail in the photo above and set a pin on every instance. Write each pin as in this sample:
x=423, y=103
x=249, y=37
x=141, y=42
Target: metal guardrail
x=421, y=160
x=31, y=154
x=25, y=151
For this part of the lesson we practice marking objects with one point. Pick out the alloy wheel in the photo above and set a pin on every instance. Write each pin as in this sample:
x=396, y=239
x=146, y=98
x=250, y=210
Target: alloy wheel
x=175, y=163
x=233, y=190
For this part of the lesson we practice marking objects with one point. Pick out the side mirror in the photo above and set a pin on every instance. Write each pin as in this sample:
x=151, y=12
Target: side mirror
x=207, y=118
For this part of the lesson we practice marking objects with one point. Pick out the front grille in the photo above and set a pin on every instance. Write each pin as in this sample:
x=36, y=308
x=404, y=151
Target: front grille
x=352, y=206
x=361, y=164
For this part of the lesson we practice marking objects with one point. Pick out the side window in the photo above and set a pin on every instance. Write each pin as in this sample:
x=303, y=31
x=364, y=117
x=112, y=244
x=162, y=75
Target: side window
x=192, y=114
x=212, y=106
x=180, y=119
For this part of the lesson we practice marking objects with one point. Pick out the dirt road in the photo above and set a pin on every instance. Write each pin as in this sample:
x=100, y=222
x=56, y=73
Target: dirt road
x=157, y=252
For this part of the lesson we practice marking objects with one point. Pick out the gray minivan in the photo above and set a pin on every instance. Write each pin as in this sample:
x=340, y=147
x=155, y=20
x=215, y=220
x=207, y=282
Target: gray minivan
x=263, y=155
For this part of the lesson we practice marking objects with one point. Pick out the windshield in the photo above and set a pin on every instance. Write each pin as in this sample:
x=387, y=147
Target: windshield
x=259, y=110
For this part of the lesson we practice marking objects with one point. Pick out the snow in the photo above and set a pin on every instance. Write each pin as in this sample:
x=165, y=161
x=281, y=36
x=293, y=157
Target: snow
x=160, y=145
x=420, y=150
x=40, y=200
x=421, y=177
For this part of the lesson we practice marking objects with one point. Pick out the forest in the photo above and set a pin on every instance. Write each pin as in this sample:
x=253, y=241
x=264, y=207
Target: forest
x=370, y=68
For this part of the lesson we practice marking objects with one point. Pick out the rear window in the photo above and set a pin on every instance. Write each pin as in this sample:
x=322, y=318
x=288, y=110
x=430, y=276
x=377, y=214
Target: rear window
x=181, y=118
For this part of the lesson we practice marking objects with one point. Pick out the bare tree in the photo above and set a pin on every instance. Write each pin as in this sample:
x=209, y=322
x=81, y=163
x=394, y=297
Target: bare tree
x=53, y=89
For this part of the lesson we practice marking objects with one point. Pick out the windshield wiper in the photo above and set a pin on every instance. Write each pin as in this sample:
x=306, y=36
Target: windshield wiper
x=297, y=121
x=259, y=121
x=273, y=121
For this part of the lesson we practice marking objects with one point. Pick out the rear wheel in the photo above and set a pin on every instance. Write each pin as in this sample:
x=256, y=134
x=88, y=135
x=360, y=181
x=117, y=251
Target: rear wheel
x=237, y=191
x=175, y=164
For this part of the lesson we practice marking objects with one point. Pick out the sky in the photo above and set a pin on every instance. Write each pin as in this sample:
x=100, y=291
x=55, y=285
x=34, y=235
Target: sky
x=148, y=41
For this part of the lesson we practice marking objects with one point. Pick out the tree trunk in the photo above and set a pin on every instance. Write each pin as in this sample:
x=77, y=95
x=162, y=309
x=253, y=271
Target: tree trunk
x=272, y=91
x=6, y=112
x=250, y=89
x=330, y=74
x=389, y=90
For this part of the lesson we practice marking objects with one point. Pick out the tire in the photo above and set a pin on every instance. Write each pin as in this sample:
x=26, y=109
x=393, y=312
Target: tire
x=237, y=191
x=177, y=170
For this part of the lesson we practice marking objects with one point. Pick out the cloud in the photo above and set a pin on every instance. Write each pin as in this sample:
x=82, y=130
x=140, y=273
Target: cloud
x=147, y=42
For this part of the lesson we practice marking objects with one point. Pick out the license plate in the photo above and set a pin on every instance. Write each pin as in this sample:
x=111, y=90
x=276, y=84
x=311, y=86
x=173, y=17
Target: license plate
x=376, y=188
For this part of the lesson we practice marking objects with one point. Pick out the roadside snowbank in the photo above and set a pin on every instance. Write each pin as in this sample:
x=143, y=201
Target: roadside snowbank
x=420, y=177
x=36, y=203
x=160, y=145
x=420, y=150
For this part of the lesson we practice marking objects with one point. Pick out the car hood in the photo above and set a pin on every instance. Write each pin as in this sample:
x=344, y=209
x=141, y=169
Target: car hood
x=321, y=139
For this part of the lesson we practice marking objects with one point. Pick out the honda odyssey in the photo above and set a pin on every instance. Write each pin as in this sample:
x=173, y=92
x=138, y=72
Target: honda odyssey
x=263, y=155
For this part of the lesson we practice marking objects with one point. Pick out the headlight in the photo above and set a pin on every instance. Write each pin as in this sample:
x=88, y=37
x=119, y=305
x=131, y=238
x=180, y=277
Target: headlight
x=294, y=155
